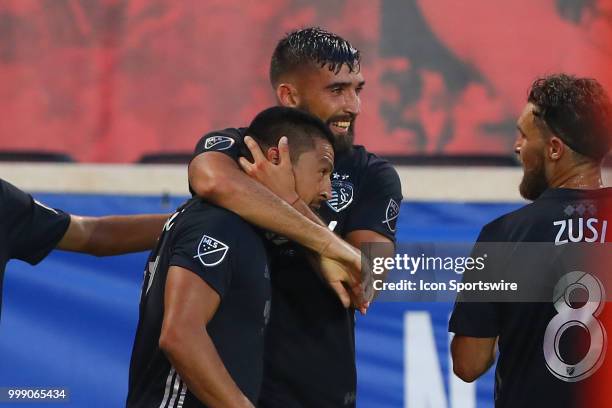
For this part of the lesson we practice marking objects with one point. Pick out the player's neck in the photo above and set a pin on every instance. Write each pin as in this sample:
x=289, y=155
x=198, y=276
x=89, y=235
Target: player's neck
x=585, y=176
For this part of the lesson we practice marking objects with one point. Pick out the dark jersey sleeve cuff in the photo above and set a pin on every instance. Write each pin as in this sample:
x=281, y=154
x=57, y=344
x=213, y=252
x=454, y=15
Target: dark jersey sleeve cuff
x=55, y=230
x=183, y=263
x=472, y=323
x=382, y=230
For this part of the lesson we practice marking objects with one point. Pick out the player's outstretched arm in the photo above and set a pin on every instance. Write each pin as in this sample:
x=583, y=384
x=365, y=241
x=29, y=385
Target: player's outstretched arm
x=472, y=356
x=112, y=235
x=189, y=304
x=218, y=178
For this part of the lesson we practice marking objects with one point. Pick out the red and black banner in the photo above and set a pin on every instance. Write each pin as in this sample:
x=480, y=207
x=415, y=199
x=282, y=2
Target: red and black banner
x=110, y=80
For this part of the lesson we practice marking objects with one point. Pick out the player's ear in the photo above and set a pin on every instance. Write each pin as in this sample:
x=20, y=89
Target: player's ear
x=287, y=95
x=272, y=155
x=555, y=148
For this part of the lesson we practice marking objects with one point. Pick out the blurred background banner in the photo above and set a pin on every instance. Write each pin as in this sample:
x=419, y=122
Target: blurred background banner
x=111, y=80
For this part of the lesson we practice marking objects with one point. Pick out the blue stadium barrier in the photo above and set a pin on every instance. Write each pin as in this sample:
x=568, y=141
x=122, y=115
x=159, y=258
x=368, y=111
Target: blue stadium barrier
x=70, y=321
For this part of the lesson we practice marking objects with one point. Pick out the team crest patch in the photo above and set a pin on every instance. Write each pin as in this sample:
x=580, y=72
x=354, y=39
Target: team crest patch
x=342, y=195
x=211, y=251
x=391, y=215
x=218, y=143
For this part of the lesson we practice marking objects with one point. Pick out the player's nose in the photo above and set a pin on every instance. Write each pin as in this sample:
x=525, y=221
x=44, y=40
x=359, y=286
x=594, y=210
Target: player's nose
x=352, y=103
x=517, y=147
x=326, y=191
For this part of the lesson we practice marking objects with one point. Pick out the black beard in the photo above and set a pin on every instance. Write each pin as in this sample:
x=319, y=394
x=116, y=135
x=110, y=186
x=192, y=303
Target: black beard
x=534, y=183
x=343, y=144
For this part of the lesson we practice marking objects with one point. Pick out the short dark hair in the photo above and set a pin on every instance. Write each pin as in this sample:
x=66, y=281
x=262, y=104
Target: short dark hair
x=312, y=45
x=300, y=127
x=577, y=110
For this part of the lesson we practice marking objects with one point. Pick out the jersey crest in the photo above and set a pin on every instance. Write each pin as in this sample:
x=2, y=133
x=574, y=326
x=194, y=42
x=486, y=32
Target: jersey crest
x=342, y=195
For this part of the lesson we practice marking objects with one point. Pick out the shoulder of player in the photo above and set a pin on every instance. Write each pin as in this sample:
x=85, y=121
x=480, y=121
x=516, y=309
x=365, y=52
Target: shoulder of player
x=12, y=197
x=372, y=164
x=201, y=215
x=501, y=227
x=231, y=132
x=236, y=134
x=7, y=189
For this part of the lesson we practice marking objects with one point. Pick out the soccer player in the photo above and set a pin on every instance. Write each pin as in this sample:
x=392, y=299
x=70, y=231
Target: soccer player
x=310, y=345
x=564, y=132
x=206, y=295
x=29, y=230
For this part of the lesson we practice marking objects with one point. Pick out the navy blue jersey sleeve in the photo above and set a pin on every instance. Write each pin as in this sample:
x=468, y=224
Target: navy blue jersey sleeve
x=228, y=141
x=477, y=318
x=206, y=243
x=32, y=229
x=378, y=205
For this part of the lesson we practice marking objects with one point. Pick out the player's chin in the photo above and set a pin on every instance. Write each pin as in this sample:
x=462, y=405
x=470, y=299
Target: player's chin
x=343, y=142
x=532, y=186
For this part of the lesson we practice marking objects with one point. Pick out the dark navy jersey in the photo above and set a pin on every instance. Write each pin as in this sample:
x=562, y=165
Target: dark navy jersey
x=545, y=359
x=310, y=344
x=229, y=255
x=28, y=229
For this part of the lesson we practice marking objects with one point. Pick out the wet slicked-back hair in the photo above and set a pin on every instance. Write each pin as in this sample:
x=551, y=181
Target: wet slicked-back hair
x=313, y=46
x=577, y=110
x=301, y=129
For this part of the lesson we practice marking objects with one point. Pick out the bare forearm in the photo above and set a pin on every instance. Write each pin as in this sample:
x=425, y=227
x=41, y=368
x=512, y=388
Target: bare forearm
x=196, y=360
x=305, y=210
x=372, y=245
x=383, y=251
x=472, y=357
x=259, y=206
x=218, y=179
x=112, y=235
